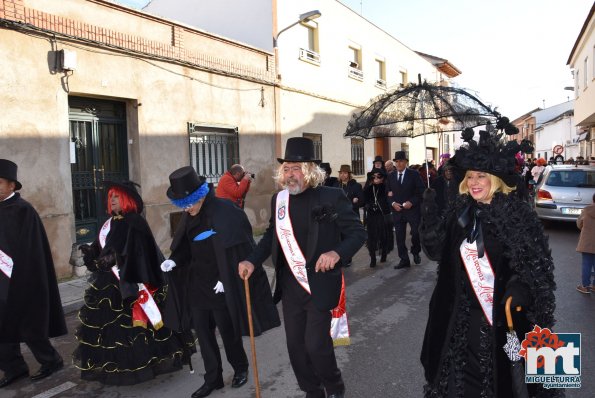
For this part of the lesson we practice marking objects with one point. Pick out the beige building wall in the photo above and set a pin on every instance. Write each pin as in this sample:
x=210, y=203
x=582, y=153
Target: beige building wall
x=166, y=74
x=582, y=61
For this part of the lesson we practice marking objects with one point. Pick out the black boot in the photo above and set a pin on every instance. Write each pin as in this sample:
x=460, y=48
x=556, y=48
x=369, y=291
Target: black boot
x=383, y=257
x=372, y=261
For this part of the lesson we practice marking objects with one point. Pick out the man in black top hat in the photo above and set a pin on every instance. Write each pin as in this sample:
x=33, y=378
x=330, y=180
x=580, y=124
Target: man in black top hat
x=212, y=237
x=30, y=305
x=404, y=194
x=312, y=232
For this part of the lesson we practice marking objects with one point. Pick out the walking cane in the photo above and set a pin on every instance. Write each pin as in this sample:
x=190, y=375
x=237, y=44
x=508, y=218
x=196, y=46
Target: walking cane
x=252, y=344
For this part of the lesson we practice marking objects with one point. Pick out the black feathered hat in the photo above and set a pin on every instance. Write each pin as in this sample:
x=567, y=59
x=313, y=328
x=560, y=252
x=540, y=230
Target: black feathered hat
x=130, y=188
x=492, y=154
x=8, y=170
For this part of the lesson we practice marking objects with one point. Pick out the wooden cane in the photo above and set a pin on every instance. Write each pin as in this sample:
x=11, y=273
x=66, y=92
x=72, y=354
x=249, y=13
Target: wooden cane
x=252, y=344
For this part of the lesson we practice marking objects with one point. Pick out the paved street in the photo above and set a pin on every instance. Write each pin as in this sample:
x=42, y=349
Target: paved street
x=387, y=312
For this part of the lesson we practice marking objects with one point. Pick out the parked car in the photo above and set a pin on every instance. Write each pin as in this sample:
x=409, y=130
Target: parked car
x=563, y=191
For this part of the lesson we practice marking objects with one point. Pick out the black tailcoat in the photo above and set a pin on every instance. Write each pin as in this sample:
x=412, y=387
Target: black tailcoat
x=232, y=243
x=31, y=308
x=343, y=234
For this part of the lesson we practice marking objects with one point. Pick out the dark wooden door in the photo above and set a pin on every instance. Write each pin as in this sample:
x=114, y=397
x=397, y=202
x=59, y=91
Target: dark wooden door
x=98, y=135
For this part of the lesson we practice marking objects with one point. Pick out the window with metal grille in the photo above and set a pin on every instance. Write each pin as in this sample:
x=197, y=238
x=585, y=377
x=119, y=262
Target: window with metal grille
x=213, y=150
x=357, y=156
x=317, y=140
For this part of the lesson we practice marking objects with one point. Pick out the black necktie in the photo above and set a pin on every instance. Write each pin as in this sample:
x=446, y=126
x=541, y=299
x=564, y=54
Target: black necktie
x=400, y=178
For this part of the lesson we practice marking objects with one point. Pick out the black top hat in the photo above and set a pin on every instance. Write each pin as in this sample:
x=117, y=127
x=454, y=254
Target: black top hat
x=378, y=158
x=491, y=154
x=299, y=149
x=8, y=170
x=183, y=182
x=326, y=167
x=130, y=188
x=400, y=155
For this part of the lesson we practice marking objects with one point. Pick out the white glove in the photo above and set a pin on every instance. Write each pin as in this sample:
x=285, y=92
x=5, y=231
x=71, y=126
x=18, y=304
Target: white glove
x=167, y=265
x=219, y=288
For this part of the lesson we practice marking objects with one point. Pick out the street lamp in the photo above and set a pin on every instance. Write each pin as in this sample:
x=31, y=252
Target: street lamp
x=305, y=17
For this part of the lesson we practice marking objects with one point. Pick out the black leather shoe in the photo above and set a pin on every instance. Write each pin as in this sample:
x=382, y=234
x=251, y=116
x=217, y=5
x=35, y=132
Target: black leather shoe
x=47, y=370
x=206, y=389
x=416, y=258
x=383, y=258
x=239, y=379
x=11, y=378
x=402, y=265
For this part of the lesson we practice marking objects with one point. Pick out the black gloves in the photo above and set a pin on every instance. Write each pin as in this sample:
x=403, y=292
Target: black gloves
x=107, y=261
x=519, y=293
x=89, y=255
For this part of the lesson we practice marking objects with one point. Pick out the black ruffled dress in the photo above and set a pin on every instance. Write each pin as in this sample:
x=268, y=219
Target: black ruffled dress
x=113, y=348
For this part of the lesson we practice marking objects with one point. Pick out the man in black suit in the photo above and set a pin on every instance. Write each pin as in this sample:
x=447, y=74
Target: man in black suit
x=404, y=194
x=312, y=231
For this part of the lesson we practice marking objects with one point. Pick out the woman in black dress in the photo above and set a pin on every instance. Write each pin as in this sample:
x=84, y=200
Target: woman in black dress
x=121, y=338
x=490, y=246
x=378, y=222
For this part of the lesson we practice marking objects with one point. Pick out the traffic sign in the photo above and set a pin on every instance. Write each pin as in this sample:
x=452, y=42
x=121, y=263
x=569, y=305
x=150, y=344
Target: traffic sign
x=558, y=149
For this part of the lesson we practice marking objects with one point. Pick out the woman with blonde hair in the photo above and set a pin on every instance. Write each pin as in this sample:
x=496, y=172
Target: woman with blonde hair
x=490, y=246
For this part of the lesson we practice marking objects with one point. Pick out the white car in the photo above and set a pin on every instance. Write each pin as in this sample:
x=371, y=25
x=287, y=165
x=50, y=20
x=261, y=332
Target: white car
x=563, y=191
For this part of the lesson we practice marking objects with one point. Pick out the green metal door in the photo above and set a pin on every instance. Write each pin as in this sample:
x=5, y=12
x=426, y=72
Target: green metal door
x=98, y=153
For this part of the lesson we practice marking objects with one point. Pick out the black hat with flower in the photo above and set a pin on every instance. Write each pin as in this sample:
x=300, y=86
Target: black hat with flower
x=492, y=154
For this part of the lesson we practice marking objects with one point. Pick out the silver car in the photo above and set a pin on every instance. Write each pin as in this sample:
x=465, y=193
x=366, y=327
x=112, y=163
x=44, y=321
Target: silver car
x=563, y=191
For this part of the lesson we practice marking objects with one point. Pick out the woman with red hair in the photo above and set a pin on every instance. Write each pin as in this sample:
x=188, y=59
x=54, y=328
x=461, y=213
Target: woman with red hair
x=121, y=338
x=538, y=168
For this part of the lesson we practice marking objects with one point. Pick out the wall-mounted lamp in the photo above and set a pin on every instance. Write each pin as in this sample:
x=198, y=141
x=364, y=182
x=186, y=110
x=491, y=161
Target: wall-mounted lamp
x=305, y=17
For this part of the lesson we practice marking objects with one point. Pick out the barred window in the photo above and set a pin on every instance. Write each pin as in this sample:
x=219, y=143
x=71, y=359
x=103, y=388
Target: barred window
x=213, y=150
x=357, y=156
x=317, y=140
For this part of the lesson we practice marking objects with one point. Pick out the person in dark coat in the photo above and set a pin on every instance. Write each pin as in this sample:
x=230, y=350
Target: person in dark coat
x=121, y=339
x=212, y=237
x=312, y=232
x=489, y=246
x=353, y=189
x=404, y=191
x=30, y=305
x=329, y=180
x=446, y=187
x=379, y=224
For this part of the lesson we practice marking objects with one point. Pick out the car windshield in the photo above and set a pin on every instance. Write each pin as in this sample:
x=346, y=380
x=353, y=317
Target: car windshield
x=572, y=178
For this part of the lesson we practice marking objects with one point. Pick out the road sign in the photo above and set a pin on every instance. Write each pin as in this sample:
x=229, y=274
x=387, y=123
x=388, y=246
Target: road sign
x=558, y=149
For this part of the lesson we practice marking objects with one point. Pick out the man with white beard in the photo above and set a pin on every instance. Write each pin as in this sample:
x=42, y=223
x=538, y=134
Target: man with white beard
x=311, y=233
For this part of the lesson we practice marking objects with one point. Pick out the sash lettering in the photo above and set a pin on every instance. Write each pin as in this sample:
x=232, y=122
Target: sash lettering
x=481, y=275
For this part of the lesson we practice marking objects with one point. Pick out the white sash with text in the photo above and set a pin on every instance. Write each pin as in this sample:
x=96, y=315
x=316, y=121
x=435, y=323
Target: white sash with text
x=481, y=275
x=293, y=254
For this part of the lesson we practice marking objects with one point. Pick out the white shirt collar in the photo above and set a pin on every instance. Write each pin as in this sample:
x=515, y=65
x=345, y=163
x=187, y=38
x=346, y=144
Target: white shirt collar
x=9, y=196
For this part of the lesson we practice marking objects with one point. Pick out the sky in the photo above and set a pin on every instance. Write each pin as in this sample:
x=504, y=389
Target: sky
x=512, y=53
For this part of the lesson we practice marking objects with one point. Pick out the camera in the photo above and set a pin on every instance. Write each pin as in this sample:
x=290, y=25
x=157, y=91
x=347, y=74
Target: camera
x=249, y=174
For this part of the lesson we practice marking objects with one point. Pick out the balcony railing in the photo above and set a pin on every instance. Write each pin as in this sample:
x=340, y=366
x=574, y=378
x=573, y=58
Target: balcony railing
x=355, y=73
x=309, y=56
